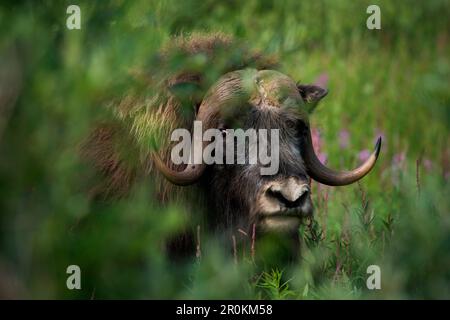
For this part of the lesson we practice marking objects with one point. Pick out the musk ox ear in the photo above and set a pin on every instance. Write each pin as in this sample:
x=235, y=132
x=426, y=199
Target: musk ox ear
x=311, y=94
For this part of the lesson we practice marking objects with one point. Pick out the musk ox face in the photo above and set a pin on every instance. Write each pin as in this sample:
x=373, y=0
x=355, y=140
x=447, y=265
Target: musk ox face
x=272, y=202
x=239, y=193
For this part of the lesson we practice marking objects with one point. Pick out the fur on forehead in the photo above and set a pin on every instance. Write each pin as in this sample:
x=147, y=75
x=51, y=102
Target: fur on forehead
x=288, y=122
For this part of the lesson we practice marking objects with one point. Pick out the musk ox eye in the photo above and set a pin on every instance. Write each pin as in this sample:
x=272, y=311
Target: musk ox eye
x=291, y=124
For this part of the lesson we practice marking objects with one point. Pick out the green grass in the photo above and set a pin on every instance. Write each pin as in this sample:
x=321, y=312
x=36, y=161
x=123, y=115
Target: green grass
x=392, y=82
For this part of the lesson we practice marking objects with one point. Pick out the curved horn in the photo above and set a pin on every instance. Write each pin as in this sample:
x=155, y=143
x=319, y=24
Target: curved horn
x=192, y=172
x=188, y=176
x=324, y=175
x=227, y=93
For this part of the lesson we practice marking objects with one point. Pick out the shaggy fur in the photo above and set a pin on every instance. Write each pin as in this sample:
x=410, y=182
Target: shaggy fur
x=143, y=123
x=120, y=149
x=186, y=75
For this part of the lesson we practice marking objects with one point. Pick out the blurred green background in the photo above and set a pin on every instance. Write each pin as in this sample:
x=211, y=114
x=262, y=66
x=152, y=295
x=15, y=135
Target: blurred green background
x=392, y=82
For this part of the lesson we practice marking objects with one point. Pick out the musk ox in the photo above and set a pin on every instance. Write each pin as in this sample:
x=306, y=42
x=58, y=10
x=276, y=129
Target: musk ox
x=210, y=78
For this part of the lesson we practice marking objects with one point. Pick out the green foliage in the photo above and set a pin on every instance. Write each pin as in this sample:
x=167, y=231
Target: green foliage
x=392, y=82
x=275, y=287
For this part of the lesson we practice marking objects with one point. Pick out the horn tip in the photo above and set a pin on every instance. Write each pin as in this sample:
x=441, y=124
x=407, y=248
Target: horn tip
x=378, y=147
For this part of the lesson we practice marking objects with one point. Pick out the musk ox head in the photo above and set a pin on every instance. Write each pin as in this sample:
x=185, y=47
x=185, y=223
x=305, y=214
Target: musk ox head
x=238, y=194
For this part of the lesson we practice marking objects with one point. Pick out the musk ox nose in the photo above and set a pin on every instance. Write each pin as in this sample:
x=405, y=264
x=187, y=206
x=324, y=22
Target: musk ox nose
x=290, y=193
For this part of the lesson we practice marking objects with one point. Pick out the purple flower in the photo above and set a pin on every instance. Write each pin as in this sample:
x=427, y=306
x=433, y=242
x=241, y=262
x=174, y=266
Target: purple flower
x=399, y=159
x=344, y=139
x=363, y=155
x=317, y=145
x=398, y=163
x=316, y=140
x=322, y=80
x=322, y=157
x=427, y=164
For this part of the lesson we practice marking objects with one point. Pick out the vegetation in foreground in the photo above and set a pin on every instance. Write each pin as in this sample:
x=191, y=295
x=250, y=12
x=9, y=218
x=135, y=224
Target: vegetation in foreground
x=391, y=82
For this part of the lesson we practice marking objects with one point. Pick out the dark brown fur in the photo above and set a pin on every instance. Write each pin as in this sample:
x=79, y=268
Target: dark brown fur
x=158, y=116
x=119, y=149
